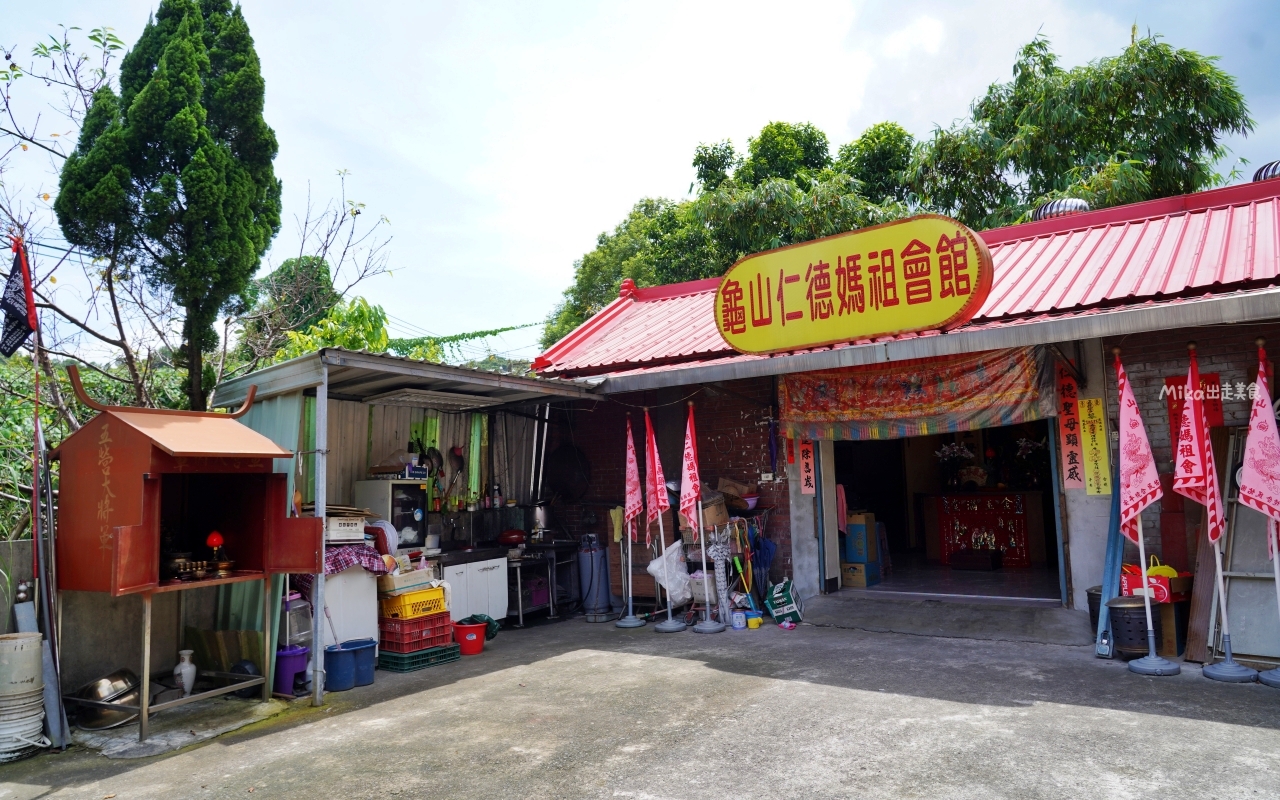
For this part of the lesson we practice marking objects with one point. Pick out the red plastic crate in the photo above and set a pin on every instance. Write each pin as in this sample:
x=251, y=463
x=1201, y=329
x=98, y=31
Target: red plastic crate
x=412, y=635
x=435, y=640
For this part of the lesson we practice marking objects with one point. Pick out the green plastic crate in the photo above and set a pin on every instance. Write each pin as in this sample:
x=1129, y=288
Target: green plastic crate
x=408, y=662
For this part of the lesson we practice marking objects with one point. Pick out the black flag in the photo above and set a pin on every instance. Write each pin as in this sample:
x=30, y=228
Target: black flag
x=17, y=303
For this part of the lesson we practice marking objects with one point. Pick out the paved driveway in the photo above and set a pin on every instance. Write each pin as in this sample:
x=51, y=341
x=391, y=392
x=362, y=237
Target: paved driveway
x=574, y=710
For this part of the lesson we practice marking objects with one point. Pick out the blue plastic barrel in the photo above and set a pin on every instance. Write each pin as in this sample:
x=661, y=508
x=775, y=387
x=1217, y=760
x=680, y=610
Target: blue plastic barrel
x=339, y=668
x=365, y=651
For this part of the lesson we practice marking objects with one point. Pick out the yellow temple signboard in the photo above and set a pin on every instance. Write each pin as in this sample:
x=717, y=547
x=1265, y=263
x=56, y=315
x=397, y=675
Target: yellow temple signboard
x=926, y=273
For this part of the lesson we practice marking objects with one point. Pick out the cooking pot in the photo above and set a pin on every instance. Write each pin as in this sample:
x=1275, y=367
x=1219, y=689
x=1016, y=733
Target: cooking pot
x=121, y=686
x=511, y=538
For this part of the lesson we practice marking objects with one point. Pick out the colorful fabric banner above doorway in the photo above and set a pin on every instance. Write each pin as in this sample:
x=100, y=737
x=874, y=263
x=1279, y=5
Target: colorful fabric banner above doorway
x=919, y=396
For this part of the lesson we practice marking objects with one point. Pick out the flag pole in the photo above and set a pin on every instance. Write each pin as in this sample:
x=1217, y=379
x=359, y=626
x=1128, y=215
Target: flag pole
x=1272, y=676
x=1150, y=664
x=628, y=583
x=1226, y=670
x=628, y=579
x=672, y=625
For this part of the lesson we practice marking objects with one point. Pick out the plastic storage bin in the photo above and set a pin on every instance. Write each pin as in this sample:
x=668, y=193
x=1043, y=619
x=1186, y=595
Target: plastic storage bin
x=413, y=604
x=339, y=668
x=365, y=659
x=290, y=661
x=408, y=662
x=412, y=635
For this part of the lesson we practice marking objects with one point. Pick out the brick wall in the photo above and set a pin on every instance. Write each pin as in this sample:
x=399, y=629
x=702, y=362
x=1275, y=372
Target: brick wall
x=733, y=442
x=1149, y=358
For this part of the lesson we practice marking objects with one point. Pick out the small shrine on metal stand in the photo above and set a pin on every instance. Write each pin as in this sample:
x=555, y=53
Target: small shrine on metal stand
x=204, y=484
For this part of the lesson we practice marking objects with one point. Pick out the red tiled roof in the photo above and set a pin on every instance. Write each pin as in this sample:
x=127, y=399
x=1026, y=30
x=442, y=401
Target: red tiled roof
x=1203, y=243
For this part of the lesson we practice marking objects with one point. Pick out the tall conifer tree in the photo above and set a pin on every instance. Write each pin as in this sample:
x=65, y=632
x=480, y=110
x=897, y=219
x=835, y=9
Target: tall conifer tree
x=175, y=174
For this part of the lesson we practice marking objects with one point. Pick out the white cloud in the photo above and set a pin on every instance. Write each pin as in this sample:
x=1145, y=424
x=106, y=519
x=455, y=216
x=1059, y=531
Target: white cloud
x=924, y=33
x=500, y=139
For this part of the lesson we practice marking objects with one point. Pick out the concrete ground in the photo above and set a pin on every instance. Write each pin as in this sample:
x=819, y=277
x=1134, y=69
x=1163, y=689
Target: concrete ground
x=574, y=710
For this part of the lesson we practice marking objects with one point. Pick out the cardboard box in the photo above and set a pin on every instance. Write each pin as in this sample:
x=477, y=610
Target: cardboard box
x=859, y=576
x=736, y=488
x=695, y=586
x=714, y=514
x=861, y=543
x=393, y=585
x=1163, y=590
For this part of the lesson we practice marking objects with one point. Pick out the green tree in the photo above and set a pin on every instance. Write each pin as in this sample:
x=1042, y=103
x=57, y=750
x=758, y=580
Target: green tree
x=295, y=296
x=352, y=325
x=879, y=160
x=957, y=172
x=1144, y=124
x=784, y=150
x=747, y=219
x=175, y=175
x=714, y=163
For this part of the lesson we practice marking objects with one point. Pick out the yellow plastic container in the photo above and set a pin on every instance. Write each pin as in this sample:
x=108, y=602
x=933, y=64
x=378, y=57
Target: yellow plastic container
x=414, y=604
x=754, y=622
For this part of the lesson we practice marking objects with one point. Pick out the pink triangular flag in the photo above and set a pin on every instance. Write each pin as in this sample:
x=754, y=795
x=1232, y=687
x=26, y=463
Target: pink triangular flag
x=635, y=497
x=1195, y=475
x=1139, y=481
x=690, y=483
x=1260, y=475
x=655, y=485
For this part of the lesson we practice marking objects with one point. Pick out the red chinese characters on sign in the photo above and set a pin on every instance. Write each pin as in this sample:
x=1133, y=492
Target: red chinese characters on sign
x=808, y=475
x=953, y=266
x=761, y=297
x=1175, y=387
x=735, y=316
x=883, y=278
x=926, y=273
x=849, y=289
x=915, y=272
x=1069, y=430
x=818, y=277
x=783, y=280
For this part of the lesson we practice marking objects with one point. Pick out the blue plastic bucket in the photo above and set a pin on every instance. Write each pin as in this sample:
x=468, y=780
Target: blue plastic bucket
x=366, y=658
x=339, y=668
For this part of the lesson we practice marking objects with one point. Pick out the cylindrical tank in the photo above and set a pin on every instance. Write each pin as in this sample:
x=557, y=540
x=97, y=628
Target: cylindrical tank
x=593, y=574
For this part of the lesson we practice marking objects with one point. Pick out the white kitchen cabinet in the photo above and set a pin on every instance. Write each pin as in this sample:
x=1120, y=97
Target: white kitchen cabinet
x=489, y=588
x=460, y=599
x=478, y=588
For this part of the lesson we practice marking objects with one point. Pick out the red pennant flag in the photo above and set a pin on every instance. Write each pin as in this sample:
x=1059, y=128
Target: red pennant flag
x=1139, y=481
x=634, y=503
x=1195, y=474
x=690, y=483
x=1260, y=475
x=655, y=485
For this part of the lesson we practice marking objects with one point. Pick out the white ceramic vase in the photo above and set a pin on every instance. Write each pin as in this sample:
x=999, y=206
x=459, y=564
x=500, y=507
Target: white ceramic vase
x=185, y=671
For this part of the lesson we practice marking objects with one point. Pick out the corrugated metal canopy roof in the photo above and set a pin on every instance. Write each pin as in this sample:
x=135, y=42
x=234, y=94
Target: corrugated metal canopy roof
x=1207, y=243
x=360, y=376
x=187, y=435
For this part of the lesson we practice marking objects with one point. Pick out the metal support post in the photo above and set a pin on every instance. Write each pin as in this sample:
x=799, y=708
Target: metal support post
x=317, y=587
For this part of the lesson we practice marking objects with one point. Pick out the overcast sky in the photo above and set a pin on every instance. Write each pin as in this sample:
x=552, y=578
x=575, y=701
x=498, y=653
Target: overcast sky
x=501, y=138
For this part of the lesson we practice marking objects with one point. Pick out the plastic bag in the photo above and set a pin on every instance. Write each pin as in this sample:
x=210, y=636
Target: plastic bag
x=675, y=571
x=485, y=619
